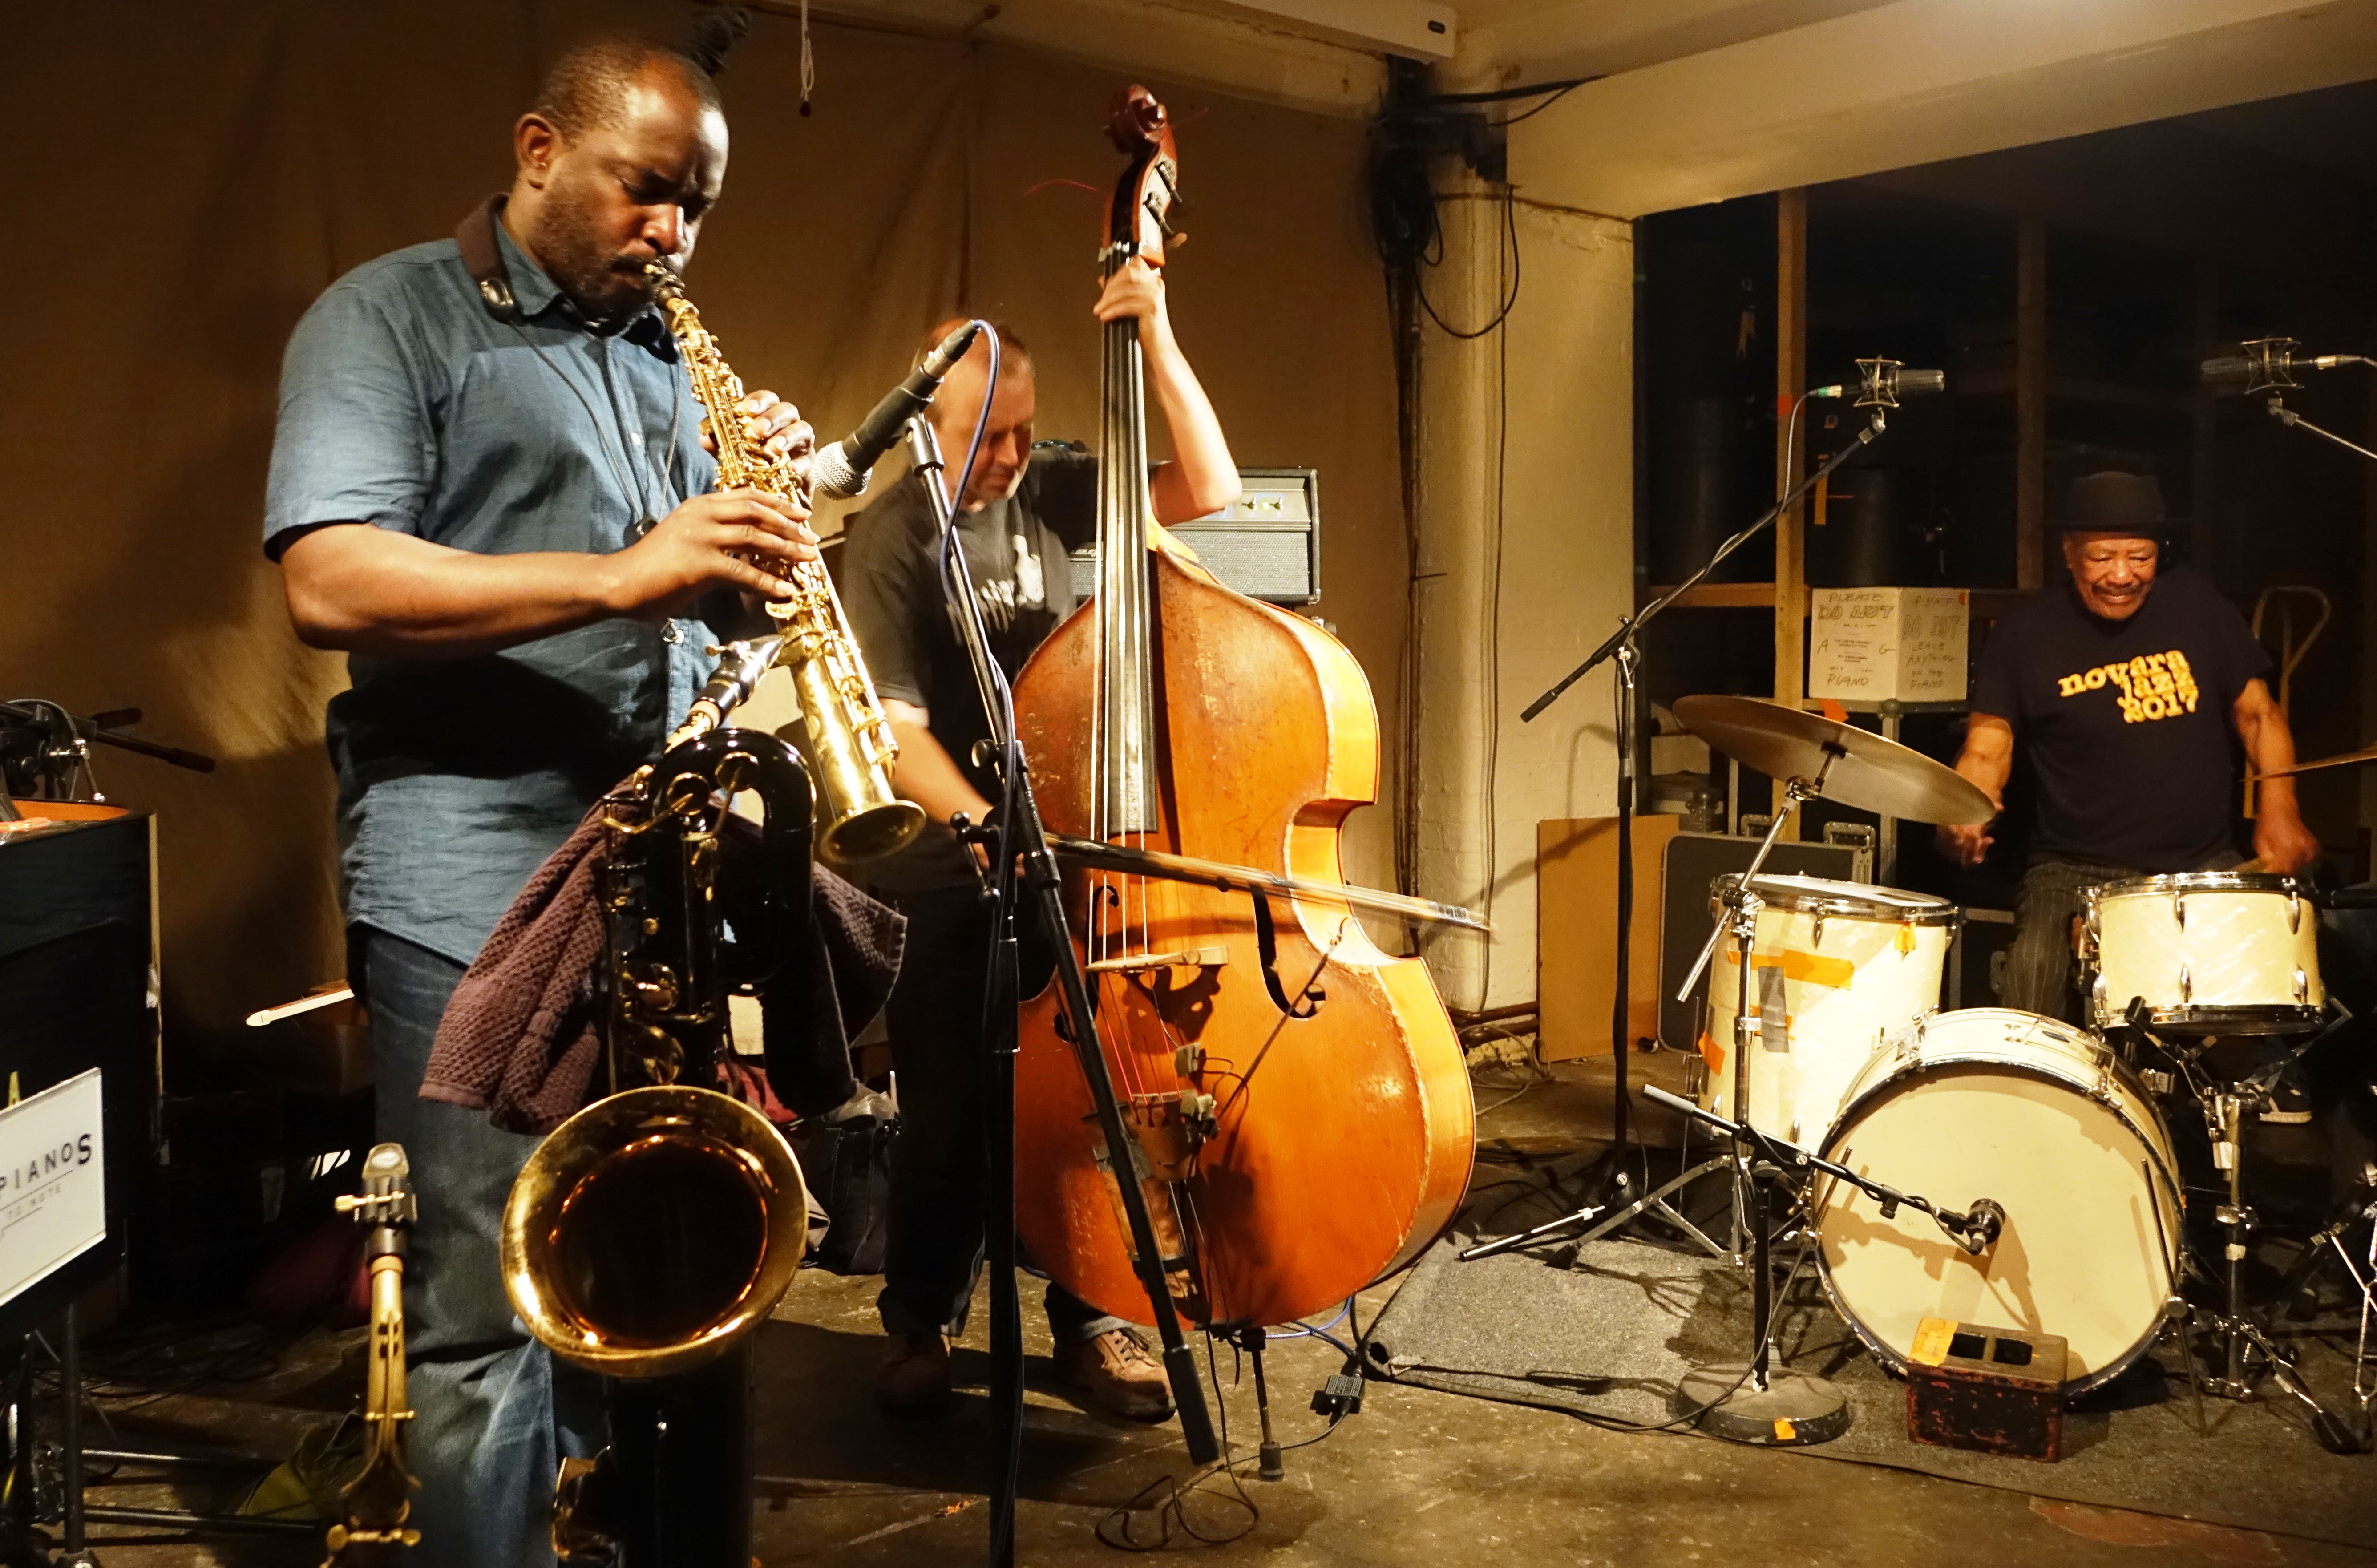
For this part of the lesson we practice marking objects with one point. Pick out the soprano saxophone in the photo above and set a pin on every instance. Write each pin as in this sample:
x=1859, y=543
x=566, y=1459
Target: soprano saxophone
x=860, y=819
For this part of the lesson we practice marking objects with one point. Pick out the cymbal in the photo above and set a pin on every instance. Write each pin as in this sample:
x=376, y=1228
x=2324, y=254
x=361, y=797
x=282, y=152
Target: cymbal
x=2366, y=754
x=1868, y=772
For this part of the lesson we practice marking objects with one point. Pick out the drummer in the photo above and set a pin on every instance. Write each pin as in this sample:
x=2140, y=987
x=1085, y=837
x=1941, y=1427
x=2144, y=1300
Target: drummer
x=2121, y=690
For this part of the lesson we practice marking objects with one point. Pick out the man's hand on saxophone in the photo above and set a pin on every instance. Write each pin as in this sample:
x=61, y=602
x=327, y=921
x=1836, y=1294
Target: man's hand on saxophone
x=727, y=538
x=364, y=589
x=777, y=422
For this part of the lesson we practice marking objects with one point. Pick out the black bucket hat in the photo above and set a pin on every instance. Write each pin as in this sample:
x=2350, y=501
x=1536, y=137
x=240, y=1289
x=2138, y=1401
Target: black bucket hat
x=2113, y=501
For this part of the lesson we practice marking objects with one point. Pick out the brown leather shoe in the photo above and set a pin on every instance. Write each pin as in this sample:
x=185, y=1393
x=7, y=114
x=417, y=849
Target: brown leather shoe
x=914, y=1376
x=1119, y=1374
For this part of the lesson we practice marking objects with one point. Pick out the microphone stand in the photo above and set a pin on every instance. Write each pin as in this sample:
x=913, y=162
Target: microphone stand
x=1623, y=647
x=2286, y=416
x=2269, y=366
x=1023, y=866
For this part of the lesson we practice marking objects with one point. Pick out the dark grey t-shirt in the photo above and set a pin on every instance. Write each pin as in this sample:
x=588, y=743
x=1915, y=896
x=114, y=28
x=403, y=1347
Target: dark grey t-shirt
x=405, y=406
x=890, y=585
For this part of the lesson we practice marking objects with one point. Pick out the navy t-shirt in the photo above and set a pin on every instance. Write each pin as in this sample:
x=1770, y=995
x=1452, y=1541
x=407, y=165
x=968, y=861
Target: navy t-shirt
x=2125, y=725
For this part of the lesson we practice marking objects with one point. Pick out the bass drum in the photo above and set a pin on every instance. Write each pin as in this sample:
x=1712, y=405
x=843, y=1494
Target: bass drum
x=1992, y=1103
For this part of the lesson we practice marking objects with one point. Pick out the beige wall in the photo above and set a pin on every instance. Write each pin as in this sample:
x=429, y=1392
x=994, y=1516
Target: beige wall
x=1526, y=562
x=205, y=171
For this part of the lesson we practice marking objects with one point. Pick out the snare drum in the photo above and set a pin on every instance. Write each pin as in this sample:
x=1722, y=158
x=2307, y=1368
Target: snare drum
x=2211, y=952
x=1837, y=968
x=1992, y=1103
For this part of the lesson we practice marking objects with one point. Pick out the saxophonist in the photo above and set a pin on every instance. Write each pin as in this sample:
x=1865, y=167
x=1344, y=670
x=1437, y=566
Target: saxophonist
x=489, y=488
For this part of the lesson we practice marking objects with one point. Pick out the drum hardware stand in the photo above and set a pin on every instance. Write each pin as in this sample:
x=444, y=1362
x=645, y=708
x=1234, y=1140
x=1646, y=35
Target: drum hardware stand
x=1252, y=1339
x=1743, y=905
x=2177, y=1315
x=1623, y=648
x=1771, y=1407
x=2294, y=1291
x=2225, y=1107
x=1019, y=839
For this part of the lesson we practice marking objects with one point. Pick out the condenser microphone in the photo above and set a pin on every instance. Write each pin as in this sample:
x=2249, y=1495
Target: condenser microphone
x=841, y=469
x=2269, y=364
x=1882, y=382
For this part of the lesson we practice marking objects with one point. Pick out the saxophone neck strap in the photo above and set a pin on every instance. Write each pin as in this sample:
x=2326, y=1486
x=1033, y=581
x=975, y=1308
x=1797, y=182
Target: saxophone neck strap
x=483, y=258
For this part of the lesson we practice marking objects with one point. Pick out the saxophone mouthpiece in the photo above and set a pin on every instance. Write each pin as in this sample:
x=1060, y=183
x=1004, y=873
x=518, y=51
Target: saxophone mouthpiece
x=665, y=283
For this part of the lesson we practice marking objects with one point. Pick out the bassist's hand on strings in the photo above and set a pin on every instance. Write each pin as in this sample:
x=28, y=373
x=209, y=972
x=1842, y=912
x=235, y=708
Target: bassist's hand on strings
x=1202, y=478
x=1138, y=290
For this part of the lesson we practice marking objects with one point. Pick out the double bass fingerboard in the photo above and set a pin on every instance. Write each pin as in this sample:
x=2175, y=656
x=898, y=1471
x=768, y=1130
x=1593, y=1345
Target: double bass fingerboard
x=1125, y=735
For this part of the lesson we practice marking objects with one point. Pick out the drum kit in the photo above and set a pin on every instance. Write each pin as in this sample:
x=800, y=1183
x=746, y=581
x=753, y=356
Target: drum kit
x=1828, y=1060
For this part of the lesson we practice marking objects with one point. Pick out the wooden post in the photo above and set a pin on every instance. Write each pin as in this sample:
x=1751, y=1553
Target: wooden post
x=2030, y=403
x=1790, y=380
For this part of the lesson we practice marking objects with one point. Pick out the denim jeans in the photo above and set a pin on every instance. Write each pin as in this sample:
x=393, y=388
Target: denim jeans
x=494, y=1413
x=935, y=1250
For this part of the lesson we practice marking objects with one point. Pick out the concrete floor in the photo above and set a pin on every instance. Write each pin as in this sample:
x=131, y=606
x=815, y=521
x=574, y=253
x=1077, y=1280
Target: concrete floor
x=1417, y=1479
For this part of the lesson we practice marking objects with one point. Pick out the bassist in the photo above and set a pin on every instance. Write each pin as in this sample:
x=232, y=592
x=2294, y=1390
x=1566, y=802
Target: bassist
x=1023, y=508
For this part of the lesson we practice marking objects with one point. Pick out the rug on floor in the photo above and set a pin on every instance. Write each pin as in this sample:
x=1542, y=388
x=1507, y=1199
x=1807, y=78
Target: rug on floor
x=1610, y=1336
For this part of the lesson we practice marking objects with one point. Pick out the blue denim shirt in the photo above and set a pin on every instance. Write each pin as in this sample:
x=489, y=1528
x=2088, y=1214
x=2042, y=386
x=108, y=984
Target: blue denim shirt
x=406, y=406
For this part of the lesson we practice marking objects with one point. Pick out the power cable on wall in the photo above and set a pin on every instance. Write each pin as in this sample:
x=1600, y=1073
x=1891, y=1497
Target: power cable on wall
x=1494, y=595
x=1414, y=133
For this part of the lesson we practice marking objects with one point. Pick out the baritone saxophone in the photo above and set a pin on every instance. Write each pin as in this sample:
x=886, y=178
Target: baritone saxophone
x=859, y=818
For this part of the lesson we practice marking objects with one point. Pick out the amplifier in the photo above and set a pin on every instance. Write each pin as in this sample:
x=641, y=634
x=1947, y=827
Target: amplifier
x=1694, y=862
x=1266, y=545
x=74, y=997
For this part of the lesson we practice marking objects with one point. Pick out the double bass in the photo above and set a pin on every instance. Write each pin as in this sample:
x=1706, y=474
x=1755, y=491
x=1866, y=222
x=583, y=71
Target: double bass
x=1297, y=1097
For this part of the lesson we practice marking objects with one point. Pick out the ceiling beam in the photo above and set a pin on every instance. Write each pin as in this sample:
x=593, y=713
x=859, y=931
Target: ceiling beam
x=1600, y=38
x=1270, y=61
x=1417, y=30
x=1916, y=81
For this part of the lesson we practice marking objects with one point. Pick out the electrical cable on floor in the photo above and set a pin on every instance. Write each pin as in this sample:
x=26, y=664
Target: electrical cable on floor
x=152, y=1365
x=1173, y=1510
x=1620, y=1423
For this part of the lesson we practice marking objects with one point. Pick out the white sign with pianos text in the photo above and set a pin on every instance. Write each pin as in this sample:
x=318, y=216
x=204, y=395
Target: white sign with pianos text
x=53, y=1182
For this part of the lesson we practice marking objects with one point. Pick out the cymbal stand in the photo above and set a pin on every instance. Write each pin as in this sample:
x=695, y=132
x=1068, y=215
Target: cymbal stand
x=1743, y=905
x=1623, y=647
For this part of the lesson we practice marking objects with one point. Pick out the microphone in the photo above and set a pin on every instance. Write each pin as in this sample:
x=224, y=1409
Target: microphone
x=1882, y=382
x=1984, y=1222
x=841, y=469
x=2269, y=364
